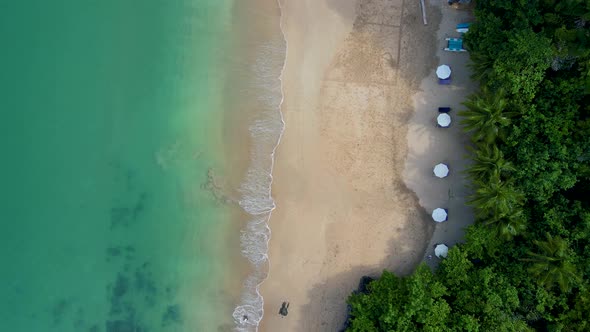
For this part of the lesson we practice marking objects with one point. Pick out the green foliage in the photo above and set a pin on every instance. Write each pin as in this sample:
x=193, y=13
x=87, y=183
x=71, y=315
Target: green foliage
x=552, y=263
x=509, y=225
x=490, y=33
x=485, y=116
x=496, y=199
x=481, y=293
x=481, y=242
x=546, y=141
x=454, y=269
x=525, y=263
x=401, y=304
x=577, y=319
x=521, y=64
x=489, y=162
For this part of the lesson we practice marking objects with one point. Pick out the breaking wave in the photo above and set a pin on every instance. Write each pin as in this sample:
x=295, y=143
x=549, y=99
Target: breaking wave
x=266, y=131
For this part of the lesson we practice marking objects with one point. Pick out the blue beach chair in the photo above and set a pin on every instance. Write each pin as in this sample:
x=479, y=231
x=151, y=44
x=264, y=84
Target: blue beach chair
x=445, y=81
x=463, y=27
x=455, y=45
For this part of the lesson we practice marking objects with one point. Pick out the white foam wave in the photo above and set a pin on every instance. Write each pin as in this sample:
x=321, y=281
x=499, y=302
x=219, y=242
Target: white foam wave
x=254, y=241
x=266, y=132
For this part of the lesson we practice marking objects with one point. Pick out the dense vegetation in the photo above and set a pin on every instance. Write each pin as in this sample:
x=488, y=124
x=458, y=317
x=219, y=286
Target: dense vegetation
x=525, y=263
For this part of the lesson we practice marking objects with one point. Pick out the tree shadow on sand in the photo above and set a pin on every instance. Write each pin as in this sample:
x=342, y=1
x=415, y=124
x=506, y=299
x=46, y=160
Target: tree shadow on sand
x=327, y=309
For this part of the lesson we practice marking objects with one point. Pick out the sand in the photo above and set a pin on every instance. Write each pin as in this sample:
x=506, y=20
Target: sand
x=429, y=145
x=352, y=157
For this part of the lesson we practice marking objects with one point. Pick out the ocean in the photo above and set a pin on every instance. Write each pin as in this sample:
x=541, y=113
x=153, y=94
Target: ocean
x=137, y=142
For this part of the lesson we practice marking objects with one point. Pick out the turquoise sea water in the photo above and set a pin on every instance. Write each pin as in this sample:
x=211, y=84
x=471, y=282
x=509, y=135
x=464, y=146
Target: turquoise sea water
x=110, y=124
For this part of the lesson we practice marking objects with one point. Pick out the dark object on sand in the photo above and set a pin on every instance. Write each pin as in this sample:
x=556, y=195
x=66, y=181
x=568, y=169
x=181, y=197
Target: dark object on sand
x=284, y=311
x=445, y=81
x=363, y=283
x=463, y=2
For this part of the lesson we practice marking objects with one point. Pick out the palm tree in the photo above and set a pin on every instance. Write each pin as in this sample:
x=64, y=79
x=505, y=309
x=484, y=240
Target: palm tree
x=495, y=199
x=510, y=225
x=481, y=66
x=485, y=116
x=488, y=162
x=552, y=265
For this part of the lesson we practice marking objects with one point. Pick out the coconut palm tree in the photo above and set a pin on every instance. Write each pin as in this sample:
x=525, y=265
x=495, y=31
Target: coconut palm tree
x=488, y=162
x=485, y=116
x=481, y=66
x=495, y=199
x=509, y=225
x=552, y=265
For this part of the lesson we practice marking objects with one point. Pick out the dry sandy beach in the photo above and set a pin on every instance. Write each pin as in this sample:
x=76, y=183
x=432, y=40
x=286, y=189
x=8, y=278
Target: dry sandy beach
x=354, y=154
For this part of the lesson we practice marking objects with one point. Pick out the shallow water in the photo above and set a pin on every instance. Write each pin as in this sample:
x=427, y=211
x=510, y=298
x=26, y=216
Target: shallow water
x=116, y=121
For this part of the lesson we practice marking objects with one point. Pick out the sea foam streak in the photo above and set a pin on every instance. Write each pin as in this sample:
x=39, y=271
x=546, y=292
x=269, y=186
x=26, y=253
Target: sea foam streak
x=266, y=132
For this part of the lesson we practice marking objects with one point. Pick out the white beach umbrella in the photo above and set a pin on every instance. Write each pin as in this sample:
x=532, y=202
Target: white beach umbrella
x=443, y=120
x=441, y=170
x=439, y=215
x=441, y=250
x=443, y=72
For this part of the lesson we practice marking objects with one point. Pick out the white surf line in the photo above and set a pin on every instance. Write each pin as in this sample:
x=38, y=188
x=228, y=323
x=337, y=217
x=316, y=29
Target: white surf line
x=272, y=155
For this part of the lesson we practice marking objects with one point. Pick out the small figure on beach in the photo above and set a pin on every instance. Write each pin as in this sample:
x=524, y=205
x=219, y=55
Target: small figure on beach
x=284, y=311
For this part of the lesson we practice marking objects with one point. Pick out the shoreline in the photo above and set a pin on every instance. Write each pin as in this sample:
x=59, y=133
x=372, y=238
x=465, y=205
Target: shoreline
x=337, y=218
x=253, y=126
x=259, y=283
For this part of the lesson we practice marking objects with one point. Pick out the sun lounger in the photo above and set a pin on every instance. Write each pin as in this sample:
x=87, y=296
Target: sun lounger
x=463, y=27
x=446, y=81
x=454, y=45
x=444, y=109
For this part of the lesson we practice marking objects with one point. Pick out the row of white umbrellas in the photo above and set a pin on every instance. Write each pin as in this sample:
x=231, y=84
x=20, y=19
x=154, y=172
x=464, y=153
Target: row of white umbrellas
x=441, y=170
x=440, y=215
x=443, y=72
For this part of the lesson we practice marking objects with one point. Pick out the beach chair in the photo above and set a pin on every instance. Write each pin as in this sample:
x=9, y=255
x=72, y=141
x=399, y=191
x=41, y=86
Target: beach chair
x=455, y=45
x=444, y=109
x=445, y=81
x=463, y=27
